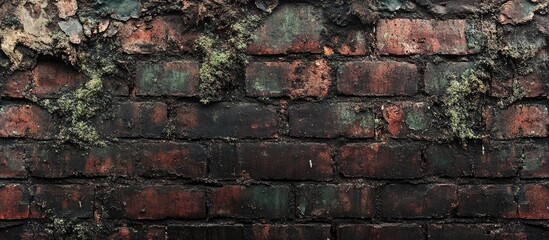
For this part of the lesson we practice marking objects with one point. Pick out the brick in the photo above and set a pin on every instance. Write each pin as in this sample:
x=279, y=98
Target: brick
x=412, y=120
x=444, y=7
x=135, y=232
x=353, y=120
x=223, y=120
x=291, y=161
x=14, y=202
x=535, y=232
x=162, y=34
x=517, y=121
x=536, y=161
x=13, y=232
x=292, y=28
x=233, y=201
x=380, y=160
x=12, y=162
x=30, y=121
x=68, y=161
x=155, y=202
x=135, y=119
x=478, y=201
x=418, y=201
x=172, y=159
x=176, y=78
x=529, y=86
x=335, y=201
x=517, y=11
x=210, y=232
x=297, y=231
x=418, y=36
x=296, y=79
x=464, y=231
x=497, y=160
x=437, y=76
x=380, y=231
x=450, y=160
x=50, y=79
x=351, y=43
x=534, y=201
x=16, y=84
x=374, y=78
x=68, y=201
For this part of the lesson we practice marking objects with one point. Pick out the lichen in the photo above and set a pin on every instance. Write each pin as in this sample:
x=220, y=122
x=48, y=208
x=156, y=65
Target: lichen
x=462, y=100
x=517, y=93
x=65, y=229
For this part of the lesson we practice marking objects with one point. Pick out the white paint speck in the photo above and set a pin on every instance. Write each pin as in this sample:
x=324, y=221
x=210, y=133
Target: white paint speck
x=310, y=164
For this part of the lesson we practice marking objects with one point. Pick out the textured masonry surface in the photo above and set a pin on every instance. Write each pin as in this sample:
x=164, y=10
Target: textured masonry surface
x=335, y=129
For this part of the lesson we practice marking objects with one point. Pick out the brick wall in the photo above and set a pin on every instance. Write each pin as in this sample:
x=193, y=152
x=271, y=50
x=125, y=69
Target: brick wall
x=338, y=127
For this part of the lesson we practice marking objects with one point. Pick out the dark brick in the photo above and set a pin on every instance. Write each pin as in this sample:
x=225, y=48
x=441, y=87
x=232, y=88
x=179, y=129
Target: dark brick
x=517, y=121
x=536, y=161
x=172, y=159
x=68, y=161
x=294, y=79
x=444, y=7
x=221, y=120
x=418, y=201
x=14, y=232
x=50, y=79
x=155, y=202
x=534, y=201
x=16, y=84
x=177, y=78
x=297, y=231
x=271, y=202
x=27, y=121
x=450, y=160
x=165, y=33
x=463, y=231
x=517, y=11
x=380, y=231
x=14, y=202
x=12, y=162
x=292, y=28
x=437, y=76
x=68, y=201
x=418, y=36
x=368, y=78
x=135, y=119
x=380, y=160
x=335, y=201
x=497, y=160
x=136, y=232
x=295, y=161
x=331, y=120
x=412, y=120
x=209, y=232
x=351, y=43
x=487, y=201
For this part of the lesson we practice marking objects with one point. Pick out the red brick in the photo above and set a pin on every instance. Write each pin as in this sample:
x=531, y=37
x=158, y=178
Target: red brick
x=497, y=160
x=68, y=161
x=437, y=76
x=529, y=86
x=136, y=232
x=69, y=201
x=172, y=159
x=297, y=231
x=412, y=120
x=380, y=231
x=536, y=161
x=353, y=120
x=478, y=201
x=165, y=33
x=155, y=202
x=294, y=79
x=418, y=36
x=176, y=78
x=534, y=201
x=50, y=79
x=369, y=78
x=335, y=201
x=135, y=119
x=233, y=201
x=222, y=120
x=14, y=202
x=517, y=11
x=12, y=162
x=450, y=160
x=25, y=121
x=209, y=232
x=350, y=43
x=15, y=85
x=292, y=28
x=380, y=160
x=466, y=231
x=293, y=161
x=517, y=121
x=418, y=201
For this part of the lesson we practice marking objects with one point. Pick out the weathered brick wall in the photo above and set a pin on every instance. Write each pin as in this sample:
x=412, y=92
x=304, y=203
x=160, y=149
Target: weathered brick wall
x=388, y=119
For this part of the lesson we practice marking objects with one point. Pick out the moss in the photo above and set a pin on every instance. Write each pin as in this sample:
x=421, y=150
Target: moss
x=65, y=229
x=462, y=100
x=516, y=94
